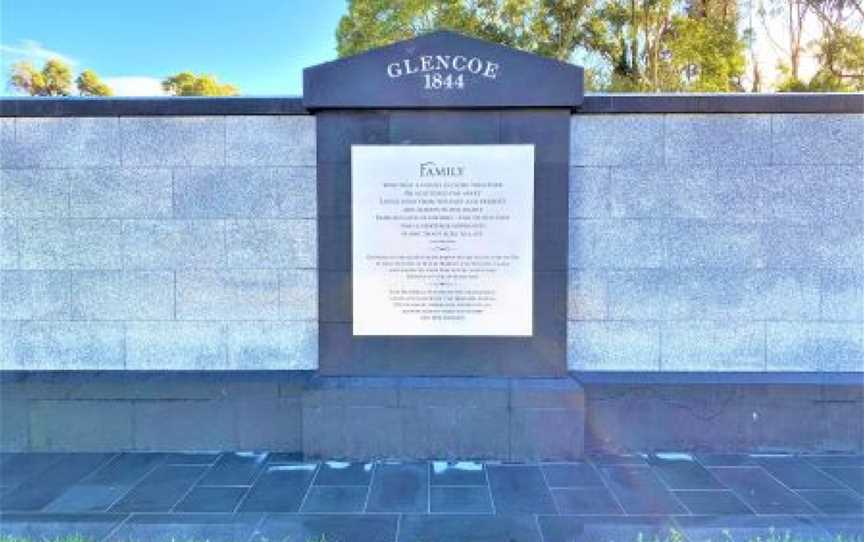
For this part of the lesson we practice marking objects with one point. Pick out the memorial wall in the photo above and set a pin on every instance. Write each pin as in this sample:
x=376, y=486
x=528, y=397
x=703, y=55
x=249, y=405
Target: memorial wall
x=487, y=268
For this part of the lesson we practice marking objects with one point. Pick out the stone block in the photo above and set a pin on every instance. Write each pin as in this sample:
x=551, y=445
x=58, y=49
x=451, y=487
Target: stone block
x=613, y=346
x=122, y=295
x=7, y=142
x=640, y=294
x=81, y=426
x=451, y=432
x=173, y=244
x=339, y=432
x=352, y=391
x=817, y=139
x=121, y=193
x=815, y=346
x=713, y=346
x=616, y=140
x=71, y=244
x=272, y=345
x=250, y=294
x=59, y=142
x=34, y=295
x=453, y=392
x=842, y=294
x=786, y=294
x=588, y=190
x=587, y=295
x=8, y=244
x=271, y=243
x=564, y=393
x=43, y=345
x=173, y=141
x=792, y=245
x=34, y=193
x=245, y=192
x=697, y=243
x=812, y=194
x=842, y=244
x=616, y=244
x=14, y=423
x=298, y=294
x=176, y=346
x=547, y=434
x=272, y=423
x=729, y=192
x=270, y=140
x=695, y=139
x=185, y=425
x=712, y=294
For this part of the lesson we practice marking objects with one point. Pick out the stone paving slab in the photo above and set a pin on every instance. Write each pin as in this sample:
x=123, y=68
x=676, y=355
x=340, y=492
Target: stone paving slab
x=268, y=497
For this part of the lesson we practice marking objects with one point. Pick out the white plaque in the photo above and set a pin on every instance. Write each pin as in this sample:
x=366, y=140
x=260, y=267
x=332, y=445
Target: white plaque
x=442, y=239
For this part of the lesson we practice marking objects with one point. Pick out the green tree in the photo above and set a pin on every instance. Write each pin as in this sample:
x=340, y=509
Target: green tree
x=641, y=45
x=190, y=84
x=89, y=84
x=54, y=79
x=552, y=28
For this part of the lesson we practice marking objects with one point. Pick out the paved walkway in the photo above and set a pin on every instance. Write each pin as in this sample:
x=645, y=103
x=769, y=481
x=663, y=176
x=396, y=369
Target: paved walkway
x=241, y=497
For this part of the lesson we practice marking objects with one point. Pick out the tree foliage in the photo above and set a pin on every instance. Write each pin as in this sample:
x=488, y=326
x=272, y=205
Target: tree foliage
x=89, y=84
x=190, y=84
x=643, y=45
x=55, y=79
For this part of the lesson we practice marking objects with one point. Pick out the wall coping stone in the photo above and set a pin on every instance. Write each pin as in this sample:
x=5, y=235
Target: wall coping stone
x=293, y=105
x=603, y=378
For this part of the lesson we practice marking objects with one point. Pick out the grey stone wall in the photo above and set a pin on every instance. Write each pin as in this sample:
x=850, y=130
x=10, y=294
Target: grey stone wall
x=158, y=243
x=721, y=242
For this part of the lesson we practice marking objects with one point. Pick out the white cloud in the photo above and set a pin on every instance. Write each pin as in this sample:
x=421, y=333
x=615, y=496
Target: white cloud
x=135, y=85
x=31, y=50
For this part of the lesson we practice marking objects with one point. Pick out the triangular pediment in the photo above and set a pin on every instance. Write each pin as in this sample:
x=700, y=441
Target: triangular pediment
x=442, y=70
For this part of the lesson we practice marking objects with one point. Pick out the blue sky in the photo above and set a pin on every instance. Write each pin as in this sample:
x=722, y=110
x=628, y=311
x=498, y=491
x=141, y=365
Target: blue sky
x=259, y=45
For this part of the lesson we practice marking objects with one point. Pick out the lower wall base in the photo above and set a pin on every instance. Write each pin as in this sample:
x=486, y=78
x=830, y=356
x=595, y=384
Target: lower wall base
x=361, y=418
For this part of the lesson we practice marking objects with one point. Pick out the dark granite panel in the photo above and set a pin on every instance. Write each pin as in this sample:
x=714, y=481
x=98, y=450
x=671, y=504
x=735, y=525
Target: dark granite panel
x=725, y=460
x=614, y=459
x=335, y=499
x=459, y=473
x=572, y=475
x=548, y=130
x=340, y=527
x=21, y=466
x=760, y=491
x=682, y=472
x=460, y=500
x=603, y=528
x=343, y=354
x=519, y=490
x=852, y=477
x=515, y=528
x=586, y=501
x=712, y=503
x=640, y=491
x=334, y=244
x=191, y=458
x=149, y=106
x=212, y=499
x=334, y=189
x=126, y=468
x=795, y=473
x=39, y=490
x=444, y=127
x=280, y=488
x=334, y=296
x=402, y=488
x=338, y=130
x=235, y=469
x=160, y=490
x=834, y=502
x=338, y=473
